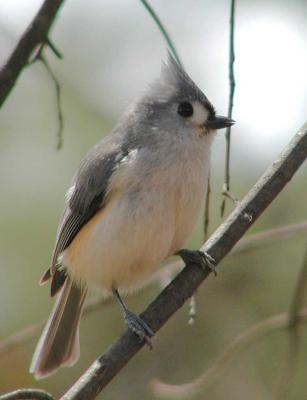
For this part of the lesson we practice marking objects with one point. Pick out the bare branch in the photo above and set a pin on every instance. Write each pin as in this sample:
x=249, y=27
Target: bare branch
x=103, y=370
x=27, y=394
x=244, y=340
x=35, y=35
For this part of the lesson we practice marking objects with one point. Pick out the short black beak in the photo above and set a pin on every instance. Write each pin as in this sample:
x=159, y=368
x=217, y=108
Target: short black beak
x=218, y=122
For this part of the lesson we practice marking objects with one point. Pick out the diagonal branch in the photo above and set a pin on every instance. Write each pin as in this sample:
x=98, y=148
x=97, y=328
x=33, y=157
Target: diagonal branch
x=105, y=368
x=35, y=35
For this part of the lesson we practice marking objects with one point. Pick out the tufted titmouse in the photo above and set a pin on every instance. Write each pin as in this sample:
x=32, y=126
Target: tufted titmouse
x=133, y=203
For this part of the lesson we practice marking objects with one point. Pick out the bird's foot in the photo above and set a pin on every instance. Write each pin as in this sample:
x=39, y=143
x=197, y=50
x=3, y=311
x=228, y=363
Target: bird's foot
x=201, y=258
x=138, y=326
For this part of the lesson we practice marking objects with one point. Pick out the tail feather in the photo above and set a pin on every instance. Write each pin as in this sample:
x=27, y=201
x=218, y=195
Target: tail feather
x=59, y=342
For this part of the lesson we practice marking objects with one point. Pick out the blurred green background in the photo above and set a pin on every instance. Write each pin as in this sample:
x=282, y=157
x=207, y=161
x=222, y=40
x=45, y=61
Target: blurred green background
x=112, y=50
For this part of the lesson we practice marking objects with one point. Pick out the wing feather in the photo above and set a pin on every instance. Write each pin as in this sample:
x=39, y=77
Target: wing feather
x=69, y=227
x=86, y=197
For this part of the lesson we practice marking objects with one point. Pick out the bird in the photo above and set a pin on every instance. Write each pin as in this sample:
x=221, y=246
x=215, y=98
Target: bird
x=133, y=203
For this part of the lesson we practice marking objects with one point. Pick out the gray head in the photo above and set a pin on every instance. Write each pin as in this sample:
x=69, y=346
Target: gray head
x=174, y=101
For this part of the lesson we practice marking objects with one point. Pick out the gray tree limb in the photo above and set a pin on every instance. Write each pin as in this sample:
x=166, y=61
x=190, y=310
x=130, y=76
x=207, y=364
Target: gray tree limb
x=36, y=34
x=105, y=367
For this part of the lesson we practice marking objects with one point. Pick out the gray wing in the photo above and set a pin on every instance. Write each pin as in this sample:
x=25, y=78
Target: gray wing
x=88, y=196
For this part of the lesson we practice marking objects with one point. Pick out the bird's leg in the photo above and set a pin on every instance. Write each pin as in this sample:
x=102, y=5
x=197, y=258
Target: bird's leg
x=135, y=323
x=201, y=258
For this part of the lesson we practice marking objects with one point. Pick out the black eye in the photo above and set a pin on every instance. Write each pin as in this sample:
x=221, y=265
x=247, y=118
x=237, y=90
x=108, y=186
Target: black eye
x=185, y=109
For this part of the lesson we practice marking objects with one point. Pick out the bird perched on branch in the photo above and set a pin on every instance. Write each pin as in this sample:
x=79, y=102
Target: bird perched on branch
x=133, y=202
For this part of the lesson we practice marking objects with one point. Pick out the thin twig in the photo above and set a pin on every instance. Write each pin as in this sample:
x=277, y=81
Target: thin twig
x=241, y=342
x=232, y=85
x=35, y=35
x=27, y=394
x=108, y=365
x=288, y=371
x=162, y=30
x=207, y=210
x=58, y=100
x=55, y=50
x=247, y=243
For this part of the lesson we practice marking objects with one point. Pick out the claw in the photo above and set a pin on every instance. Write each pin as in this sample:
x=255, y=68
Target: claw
x=203, y=259
x=137, y=325
x=209, y=262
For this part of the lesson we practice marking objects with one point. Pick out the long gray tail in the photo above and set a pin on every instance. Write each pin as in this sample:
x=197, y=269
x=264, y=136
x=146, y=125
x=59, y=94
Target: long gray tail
x=59, y=342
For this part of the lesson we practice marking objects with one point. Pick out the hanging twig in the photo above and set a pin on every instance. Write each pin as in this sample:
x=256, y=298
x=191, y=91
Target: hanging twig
x=58, y=101
x=232, y=85
x=207, y=210
x=162, y=30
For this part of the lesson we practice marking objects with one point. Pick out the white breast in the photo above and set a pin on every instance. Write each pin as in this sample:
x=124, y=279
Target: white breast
x=149, y=216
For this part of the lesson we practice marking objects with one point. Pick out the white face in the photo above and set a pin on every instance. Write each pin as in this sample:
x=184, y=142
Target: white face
x=200, y=114
x=193, y=112
x=195, y=115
